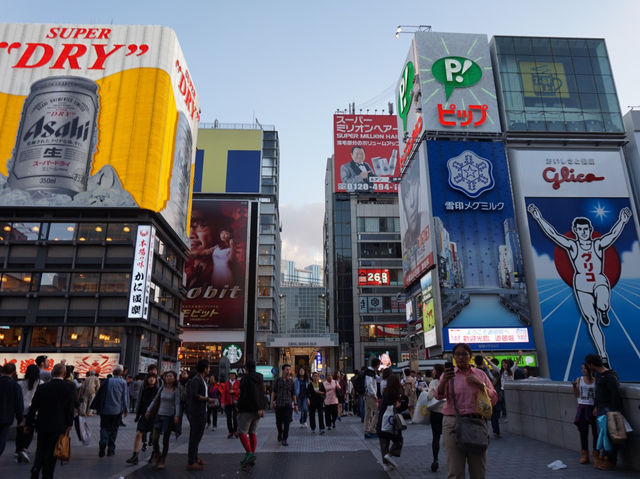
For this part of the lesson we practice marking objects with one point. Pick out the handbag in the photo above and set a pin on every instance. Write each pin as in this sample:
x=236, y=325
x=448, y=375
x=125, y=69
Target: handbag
x=62, y=449
x=616, y=427
x=399, y=423
x=472, y=435
x=483, y=404
x=421, y=413
x=388, y=420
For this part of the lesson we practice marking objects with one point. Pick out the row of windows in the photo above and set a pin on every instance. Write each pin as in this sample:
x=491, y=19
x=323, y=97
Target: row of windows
x=378, y=225
x=554, y=121
x=558, y=85
x=380, y=250
x=554, y=64
x=52, y=282
x=86, y=232
x=577, y=47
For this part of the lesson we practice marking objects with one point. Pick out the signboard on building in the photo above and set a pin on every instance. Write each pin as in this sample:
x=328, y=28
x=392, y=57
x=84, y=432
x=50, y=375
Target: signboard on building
x=228, y=161
x=141, y=274
x=101, y=363
x=449, y=77
x=373, y=277
x=478, y=256
x=428, y=311
x=415, y=228
x=585, y=255
x=96, y=116
x=490, y=338
x=216, y=269
x=366, y=153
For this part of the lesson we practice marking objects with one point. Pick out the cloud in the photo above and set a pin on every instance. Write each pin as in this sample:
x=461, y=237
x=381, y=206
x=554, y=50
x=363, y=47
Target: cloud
x=544, y=266
x=630, y=261
x=302, y=233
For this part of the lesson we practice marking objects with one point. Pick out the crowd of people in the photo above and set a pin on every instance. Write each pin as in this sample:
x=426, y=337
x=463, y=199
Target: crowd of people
x=52, y=402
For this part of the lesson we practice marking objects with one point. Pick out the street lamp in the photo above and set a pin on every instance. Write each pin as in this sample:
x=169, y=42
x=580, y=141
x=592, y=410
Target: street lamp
x=414, y=28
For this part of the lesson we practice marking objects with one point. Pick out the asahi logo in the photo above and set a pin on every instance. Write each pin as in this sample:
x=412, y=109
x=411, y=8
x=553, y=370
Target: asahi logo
x=70, y=129
x=567, y=175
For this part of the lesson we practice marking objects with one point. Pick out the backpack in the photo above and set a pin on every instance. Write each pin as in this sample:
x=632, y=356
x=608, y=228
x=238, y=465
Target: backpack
x=359, y=383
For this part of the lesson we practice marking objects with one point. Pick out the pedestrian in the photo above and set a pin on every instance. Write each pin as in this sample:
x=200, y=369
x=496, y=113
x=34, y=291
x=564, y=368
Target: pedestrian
x=391, y=442
x=134, y=392
x=215, y=393
x=42, y=362
x=144, y=425
x=165, y=407
x=51, y=414
x=607, y=399
x=251, y=405
x=465, y=382
x=28, y=386
x=284, y=396
x=436, y=415
x=331, y=401
x=496, y=380
x=112, y=401
x=584, y=389
x=409, y=389
x=230, y=400
x=349, y=396
x=87, y=392
x=197, y=400
x=371, y=399
x=341, y=379
x=11, y=402
x=315, y=402
x=506, y=374
x=302, y=382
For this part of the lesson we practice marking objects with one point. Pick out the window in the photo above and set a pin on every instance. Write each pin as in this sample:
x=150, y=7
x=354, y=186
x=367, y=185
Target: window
x=45, y=337
x=107, y=336
x=77, y=337
x=149, y=342
x=23, y=231
x=10, y=337
x=92, y=231
x=85, y=282
x=170, y=348
x=115, y=282
x=61, y=231
x=120, y=232
x=15, y=282
x=53, y=282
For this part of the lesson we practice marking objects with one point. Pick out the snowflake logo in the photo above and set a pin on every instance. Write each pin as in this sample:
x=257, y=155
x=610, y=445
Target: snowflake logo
x=470, y=174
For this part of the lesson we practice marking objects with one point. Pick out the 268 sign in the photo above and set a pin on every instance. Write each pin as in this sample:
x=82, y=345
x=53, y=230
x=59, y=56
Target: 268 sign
x=373, y=277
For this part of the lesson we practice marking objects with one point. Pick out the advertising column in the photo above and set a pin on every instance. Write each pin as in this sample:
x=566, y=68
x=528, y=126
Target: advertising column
x=585, y=256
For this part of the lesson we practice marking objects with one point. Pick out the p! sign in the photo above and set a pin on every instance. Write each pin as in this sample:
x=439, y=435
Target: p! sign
x=456, y=72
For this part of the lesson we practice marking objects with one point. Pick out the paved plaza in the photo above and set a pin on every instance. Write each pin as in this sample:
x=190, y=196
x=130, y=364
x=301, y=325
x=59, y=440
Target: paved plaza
x=341, y=453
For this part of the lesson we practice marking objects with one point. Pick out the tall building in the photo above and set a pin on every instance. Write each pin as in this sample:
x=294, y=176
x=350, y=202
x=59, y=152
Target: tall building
x=233, y=269
x=93, y=218
x=363, y=264
x=309, y=275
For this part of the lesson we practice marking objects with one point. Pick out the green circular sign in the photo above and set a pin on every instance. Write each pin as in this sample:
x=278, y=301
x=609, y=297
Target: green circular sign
x=233, y=353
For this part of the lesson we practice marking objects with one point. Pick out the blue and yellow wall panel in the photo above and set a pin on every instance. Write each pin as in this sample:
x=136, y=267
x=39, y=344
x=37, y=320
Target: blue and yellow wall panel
x=228, y=161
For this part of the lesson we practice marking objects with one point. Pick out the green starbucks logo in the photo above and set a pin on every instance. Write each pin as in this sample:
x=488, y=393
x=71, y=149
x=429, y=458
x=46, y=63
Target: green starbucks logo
x=456, y=72
x=233, y=353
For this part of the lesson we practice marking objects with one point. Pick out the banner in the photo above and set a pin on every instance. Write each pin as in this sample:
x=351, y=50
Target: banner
x=101, y=363
x=216, y=269
x=480, y=266
x=415, y=230
x=366, y=153
x=96, y=116
x=585, y=254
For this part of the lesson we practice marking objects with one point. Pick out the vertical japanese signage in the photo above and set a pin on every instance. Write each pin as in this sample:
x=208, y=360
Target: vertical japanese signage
x=141, y=274
x=216, y=269
x=585, y=254
x=366, y=153
x=478, y=255
x=428, y=312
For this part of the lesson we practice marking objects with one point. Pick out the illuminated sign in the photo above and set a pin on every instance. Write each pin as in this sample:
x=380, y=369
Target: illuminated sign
x=101, y=363
x=373, y=277
x=141, y=274
x=415, y=134
x=405, y=90
x=544, y=79
x=488, y=335
x=456, y=72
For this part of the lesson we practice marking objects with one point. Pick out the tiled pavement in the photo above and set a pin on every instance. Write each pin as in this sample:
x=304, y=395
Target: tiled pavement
x=340, y=453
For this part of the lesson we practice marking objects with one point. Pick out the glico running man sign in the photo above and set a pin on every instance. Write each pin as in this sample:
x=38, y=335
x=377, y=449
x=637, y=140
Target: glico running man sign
x=96, y=116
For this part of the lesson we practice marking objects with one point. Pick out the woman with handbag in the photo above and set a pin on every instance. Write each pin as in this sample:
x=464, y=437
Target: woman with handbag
x=464, y=427
x=331, y=388
x=315, y=400
x=144, y=424
x=166, y=406
x=391, y=441
x=436, y=414
x=584, y=389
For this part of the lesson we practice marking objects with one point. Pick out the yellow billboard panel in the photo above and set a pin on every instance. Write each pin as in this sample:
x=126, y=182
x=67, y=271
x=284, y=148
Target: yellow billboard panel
x=100, y=116
x=544, y=79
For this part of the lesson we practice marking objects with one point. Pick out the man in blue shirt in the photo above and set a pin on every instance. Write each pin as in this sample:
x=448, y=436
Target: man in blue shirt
x=113, y=402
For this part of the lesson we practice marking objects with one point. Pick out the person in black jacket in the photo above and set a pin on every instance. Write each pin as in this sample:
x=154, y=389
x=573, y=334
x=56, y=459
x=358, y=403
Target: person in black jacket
x=251, y=406
x=144, y=425
x=196, y=405
x=11, y=404
x=51, y=412
x=315, y=401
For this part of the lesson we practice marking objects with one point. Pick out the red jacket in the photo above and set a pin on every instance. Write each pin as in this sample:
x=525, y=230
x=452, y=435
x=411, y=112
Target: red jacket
x=230, y=394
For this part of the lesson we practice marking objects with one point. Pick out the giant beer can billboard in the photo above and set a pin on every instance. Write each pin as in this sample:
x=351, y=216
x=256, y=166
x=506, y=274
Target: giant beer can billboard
x=96, y=116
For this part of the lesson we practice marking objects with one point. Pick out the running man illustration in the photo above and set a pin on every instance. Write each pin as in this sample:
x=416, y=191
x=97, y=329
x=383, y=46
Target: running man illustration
x=590, y=285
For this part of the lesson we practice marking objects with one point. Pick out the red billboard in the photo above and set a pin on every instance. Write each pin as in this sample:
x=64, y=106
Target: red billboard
x=373, y=277
x=217, y=265
x=366, y=153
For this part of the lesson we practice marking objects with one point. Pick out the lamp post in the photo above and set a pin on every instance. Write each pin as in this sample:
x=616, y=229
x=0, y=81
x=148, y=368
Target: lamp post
x=412, y=29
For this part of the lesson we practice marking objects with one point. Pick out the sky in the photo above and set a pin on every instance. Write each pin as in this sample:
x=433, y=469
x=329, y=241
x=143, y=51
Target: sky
x=292, y=64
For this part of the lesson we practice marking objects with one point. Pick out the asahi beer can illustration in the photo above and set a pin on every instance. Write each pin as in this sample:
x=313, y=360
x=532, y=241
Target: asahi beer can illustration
x=57, y=136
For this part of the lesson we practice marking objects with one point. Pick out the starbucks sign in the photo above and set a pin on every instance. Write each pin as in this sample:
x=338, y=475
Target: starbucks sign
x=233, y=353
